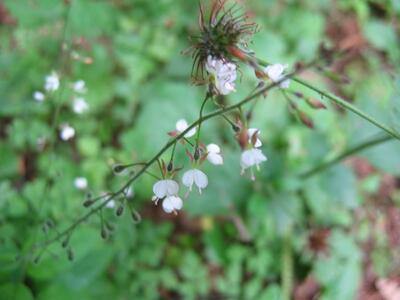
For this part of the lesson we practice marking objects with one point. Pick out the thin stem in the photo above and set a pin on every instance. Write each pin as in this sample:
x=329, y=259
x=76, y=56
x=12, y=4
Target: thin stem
x=344, y=104
x=200, y=117
x=325, y=165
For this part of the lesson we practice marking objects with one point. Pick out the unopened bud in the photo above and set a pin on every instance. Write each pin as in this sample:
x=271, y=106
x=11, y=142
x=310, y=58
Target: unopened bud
x=306, y=120
x=104, y=234
x=118, y=169
x=70, y=254
x=170, y=166
x=136, y=217
x=298, y=94
x=110, y=227
x=314, y=103
x=88, y=203
x=196, y=155
x=120, y=210
x=235, y=128
x=64, y=244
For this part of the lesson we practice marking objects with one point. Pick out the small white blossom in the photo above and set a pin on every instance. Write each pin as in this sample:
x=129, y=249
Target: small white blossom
x=250, y=158
x=251, y=132
x=129, y=192
x=81, y=183
x=67, y=132
x=223, y=74
x=275, y=73
x=197, y=177
x=182, y=125
x=79, y=86
x=52, y=82
x=172, y=204
x=164, y=188
x=38, y=96
x=80, y=105
x=214, y=154
x=110, y=204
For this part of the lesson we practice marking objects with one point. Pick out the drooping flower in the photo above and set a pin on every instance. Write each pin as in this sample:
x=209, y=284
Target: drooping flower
x=197, y=177
x=275, y=73
x=214, y=154
x=250, y=133
x=80, y=105
x=165, y=187
x=110, y=204
x=81, y=183
x=52, y=82
x=250, y=158
x=182, y=125
x=222, y=75
x=172, y=204
x=38, y=96
x=67, y=132
x=79, y=86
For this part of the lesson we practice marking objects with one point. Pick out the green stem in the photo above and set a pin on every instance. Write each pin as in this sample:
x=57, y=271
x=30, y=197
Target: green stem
x=343, y=104
x=200, y=117
x=325, y=165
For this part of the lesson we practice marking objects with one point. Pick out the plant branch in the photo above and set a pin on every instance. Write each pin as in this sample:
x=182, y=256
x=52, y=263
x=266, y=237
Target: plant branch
x=325, y=165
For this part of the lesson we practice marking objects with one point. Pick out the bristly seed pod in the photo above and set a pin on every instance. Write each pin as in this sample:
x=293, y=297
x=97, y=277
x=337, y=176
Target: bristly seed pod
x=223, y=35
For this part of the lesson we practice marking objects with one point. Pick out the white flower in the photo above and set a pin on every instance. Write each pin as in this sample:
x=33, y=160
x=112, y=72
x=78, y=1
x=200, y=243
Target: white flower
x=251, y=132
x=195, y=176
x=164, y=188
x=223, y=74
x=79, y=86
x=275, y=73
x=110, y=204
x=38, y=96
x=80, y=105
x=182, y=125
x=214, y=154
x=67, y=132
x=81, y=183
x=129, y=192
x=52, y=82
x=172, y=204
x=250, y=158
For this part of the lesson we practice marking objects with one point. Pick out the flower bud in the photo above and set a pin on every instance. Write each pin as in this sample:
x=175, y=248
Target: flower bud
x=306, y=120
x=170, y=166
x=64, y=244
x=103, y=233
x=70, y=254
x=118, y=169
x=88, y=203
x=120, y=210
x=110, y=227
x=314, y=103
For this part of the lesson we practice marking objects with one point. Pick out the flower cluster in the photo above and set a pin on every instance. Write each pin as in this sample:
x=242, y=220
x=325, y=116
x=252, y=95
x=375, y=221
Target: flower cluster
x=222, y=75
x=79, y=104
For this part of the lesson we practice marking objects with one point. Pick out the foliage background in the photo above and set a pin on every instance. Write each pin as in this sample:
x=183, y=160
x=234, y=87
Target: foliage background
x=340, y=228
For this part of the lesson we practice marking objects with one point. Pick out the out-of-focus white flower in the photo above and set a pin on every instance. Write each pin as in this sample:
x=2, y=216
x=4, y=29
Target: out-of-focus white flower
x=223, y=74
x=81, y=183
x=52, y=82
x=214, y=154
x=110, y=204
x=79, y=86
x=129, y=192
x=38, y=96
x=172, y=204
x=250, y=158
x=197, y=177
x=182, y=125
x=166, y=187
x=250, y=133
x=80, y=105
x=275, y=73
x=67, y=132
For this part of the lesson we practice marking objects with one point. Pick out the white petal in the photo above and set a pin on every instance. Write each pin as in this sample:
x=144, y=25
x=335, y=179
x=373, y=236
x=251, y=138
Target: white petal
x=67, y=132
x=188, y=179
x=200, y=179
x=181, y=125
x=252, y=157
x=166, y=187
x=80, y=105
x=168, y=205
x=213, y=148
x=190, y=133
x=176, y=202
x=38, y=96
x=285, y=84
x=215, y=158
x=81, y=183
x=79, y=86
